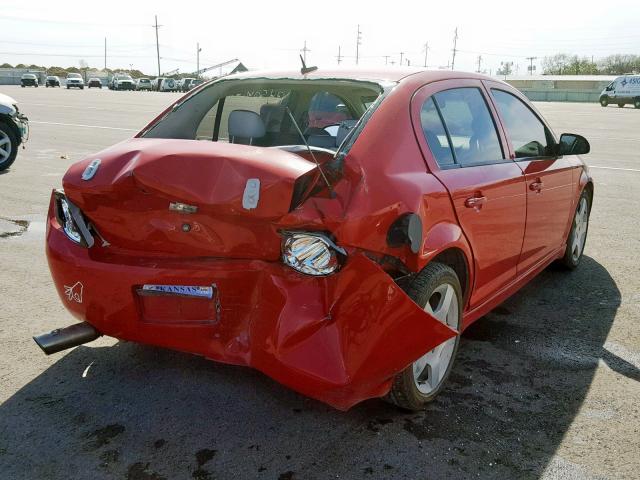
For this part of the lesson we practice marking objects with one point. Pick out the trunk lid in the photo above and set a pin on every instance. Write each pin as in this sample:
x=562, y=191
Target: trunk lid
x=129, y=197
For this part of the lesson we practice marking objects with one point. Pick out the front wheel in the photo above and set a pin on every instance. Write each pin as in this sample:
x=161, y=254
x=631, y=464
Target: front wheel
x=578, y=234
x=8, y=146
x=604, y=101
x=437, y=290
x=636, y=103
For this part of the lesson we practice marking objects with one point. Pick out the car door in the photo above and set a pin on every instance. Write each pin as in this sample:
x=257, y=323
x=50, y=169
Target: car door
x=549, y=178
x=465, y=150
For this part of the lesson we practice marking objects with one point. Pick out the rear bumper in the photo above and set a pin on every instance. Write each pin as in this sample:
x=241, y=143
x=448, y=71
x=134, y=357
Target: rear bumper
x=339, y=339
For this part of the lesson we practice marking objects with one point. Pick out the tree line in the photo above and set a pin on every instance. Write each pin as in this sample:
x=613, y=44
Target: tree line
x=569, y=64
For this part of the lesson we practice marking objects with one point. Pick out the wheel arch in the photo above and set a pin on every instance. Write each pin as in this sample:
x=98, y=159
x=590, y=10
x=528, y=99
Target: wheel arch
x=7, y=120
x=446, y=243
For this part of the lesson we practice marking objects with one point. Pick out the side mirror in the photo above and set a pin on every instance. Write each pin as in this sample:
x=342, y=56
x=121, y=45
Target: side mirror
x=573, y=144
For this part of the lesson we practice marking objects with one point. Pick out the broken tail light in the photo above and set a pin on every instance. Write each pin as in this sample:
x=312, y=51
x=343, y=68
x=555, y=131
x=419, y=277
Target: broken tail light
x=311, y=253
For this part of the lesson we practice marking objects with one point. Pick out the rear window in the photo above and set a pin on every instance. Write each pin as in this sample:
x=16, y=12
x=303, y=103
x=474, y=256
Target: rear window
x=261, y=111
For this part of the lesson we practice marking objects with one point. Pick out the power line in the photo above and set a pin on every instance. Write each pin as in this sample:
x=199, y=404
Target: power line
x=304, y=51
x=358, y=43
x=455, y=42
x=156, y=26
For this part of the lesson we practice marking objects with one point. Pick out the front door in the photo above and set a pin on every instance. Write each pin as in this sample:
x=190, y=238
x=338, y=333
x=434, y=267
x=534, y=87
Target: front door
x=549, y=178
x=464, y=151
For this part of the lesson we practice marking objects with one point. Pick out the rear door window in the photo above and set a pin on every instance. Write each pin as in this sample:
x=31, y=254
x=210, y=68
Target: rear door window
x=435, y=134
x=527, y=133
x=470, y=126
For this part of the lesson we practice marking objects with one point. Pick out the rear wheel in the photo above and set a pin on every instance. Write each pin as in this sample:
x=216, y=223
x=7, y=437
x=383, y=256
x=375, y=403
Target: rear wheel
x=578, y=234
x=8, y=146
x=636, y=103
x=436, y=289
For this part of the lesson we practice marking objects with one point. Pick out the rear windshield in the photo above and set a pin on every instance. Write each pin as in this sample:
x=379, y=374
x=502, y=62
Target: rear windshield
x=268, y=113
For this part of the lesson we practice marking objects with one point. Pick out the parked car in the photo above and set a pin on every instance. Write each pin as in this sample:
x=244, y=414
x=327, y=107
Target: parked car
x=14, y=130
x=74, y=80
x=29, y=80
x=342, y=261
x=52, y=81
x=186, y=84
x=143, y=84
x=622, y=91
x=121, y=81
x=94, y=82
x=162, y=84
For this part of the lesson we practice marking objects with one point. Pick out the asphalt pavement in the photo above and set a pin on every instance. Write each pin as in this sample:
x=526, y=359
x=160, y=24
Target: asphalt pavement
x=545, y=386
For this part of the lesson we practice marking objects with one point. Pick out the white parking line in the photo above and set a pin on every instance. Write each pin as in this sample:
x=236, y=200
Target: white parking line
x=616, y=168
x=84, y=126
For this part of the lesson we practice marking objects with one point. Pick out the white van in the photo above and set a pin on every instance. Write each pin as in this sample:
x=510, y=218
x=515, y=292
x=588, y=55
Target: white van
x=623, y=90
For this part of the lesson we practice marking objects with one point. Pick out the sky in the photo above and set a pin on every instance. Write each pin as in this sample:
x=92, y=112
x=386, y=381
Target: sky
x=267, y=35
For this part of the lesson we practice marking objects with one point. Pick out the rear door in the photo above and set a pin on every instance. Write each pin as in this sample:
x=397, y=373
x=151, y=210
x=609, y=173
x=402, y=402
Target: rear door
x=465, y=150
x=549, y=178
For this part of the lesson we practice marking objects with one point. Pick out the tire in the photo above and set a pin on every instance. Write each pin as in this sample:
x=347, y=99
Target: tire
x=22, y=86
x=429, y=289
x=8, y=146
x=579, y=227
x=636, y=103
x=604, y=101
x=621, y=105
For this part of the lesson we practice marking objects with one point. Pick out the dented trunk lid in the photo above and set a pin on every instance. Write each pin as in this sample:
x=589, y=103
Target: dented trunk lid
x=238, y=192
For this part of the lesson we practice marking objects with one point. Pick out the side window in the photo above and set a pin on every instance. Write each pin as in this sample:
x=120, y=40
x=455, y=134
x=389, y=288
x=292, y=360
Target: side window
x=435, y=134
x=471, y=129
x=528, y=135
x=327, y=109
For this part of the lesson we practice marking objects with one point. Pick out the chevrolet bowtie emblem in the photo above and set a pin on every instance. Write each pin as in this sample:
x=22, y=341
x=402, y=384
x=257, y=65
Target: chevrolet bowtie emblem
x=182, y=207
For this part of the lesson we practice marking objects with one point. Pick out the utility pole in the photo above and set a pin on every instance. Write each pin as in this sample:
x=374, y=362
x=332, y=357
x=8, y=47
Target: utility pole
x=531, y=59
x=198, y=49
x=426, y=52
x=339, y=57
x=304, y=51
x=479, y=63
x=386, y=59
x=358, y=43
x=156, y=26
x=105, y=54
x=455, y=43
x=401, y=54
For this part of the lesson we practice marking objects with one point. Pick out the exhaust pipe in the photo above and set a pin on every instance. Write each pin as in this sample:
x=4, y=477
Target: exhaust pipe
x=63, y=338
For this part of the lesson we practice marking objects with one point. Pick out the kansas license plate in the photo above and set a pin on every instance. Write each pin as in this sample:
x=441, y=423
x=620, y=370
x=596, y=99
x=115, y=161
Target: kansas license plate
x=192, y=291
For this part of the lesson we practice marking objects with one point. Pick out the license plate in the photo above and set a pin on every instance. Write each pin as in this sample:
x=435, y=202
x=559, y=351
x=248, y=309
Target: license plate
x=191, y=291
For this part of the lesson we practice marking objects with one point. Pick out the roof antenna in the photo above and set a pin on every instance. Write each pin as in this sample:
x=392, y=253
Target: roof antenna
x=304, y=70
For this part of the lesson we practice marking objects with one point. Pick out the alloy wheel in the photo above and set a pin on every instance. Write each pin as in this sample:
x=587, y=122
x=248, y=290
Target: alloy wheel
x=580, y=224
x=430, y=369
x=5, y=147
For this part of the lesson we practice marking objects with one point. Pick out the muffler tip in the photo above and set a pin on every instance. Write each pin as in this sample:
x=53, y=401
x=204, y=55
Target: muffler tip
x=63, y=338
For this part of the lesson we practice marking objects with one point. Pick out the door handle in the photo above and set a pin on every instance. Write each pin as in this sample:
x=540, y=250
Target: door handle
x=475, y=202
x=536, y=186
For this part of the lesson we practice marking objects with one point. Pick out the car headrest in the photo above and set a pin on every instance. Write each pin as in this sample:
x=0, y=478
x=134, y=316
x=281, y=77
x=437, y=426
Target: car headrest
x=245, y=124
x=344, y=129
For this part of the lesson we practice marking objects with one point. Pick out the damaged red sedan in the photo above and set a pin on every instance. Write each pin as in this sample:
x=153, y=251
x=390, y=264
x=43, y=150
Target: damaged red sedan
x=336, y=230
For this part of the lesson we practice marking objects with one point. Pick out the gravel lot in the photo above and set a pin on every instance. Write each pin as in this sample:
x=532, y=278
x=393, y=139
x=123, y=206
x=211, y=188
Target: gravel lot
x=546, y=385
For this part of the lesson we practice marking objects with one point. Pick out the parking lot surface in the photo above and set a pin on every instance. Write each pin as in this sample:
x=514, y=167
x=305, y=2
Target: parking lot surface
x=545, y=386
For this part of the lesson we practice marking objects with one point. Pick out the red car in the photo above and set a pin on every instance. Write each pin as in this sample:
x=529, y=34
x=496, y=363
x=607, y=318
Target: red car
x=342, y=261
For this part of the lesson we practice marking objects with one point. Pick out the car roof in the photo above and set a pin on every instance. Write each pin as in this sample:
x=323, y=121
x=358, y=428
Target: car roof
x=388, y=74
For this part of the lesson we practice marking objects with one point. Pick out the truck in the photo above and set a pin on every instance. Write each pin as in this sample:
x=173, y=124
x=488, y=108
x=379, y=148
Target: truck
x=622, y=91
